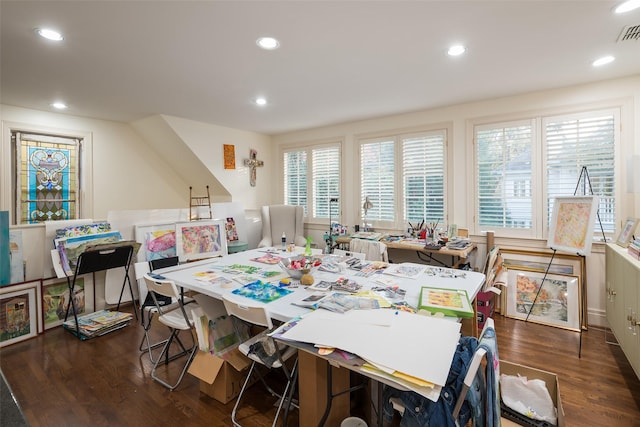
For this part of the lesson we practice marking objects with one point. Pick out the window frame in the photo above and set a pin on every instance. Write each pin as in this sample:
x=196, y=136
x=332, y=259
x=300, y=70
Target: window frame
x=398, y=137
x=309, y=148
x=540, y=216
x=85, y=159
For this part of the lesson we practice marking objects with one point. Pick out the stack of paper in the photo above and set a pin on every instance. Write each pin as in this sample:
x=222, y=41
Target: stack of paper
x=98, y=323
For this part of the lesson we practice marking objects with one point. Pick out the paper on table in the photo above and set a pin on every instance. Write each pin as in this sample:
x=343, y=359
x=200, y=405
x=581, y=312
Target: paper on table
x=419, y=346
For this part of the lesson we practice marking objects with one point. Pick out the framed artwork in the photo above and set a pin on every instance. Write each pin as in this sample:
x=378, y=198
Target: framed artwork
x=563, y=264
x=558, y=303
x=232, y=233
x=572, y=223
x=200, y=239
x=157, y=241
x=627, y=232
x=229, y=152
x=19, y=312
x=55, y=299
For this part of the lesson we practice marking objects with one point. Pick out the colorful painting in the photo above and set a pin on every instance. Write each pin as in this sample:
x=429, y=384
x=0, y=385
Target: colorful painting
x=229, y=153
x=557, y=303
x=263, y=292
x=158, y=241
x=200, y=239
x=55, y=299
x=19, y=318
x=571, y=227
x=70, y=248
x=232, y=233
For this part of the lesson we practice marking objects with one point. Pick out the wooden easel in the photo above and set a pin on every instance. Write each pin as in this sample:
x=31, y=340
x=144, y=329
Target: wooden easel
x=197, y=201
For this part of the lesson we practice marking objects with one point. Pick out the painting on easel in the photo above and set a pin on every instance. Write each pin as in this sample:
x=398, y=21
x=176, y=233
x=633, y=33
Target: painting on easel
x=572, y=224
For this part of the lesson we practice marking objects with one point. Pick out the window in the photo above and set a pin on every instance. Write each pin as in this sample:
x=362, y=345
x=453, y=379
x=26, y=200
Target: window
x=46, y=177
x=320, y=178
x=521, y=166
x=404, y=178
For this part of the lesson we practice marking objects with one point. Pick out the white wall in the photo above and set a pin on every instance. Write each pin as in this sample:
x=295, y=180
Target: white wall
x=206, y=141
x=625, y=91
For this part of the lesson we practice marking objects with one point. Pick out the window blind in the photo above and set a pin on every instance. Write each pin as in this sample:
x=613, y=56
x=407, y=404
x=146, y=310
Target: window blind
x=377, y=179
x=423, y=169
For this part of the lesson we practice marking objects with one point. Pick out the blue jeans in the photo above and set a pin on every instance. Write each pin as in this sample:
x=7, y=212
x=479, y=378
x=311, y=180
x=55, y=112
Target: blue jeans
x=422, y=412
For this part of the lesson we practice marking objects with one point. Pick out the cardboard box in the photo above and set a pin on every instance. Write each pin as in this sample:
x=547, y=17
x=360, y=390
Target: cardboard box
x=550, y=379
x=220, y=378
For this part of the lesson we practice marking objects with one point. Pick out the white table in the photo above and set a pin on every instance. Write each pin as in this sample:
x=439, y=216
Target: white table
x=312, y=370
x=283, y=310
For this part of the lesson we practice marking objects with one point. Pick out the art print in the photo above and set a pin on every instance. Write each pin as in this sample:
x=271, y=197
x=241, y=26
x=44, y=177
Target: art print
x=56, y=300
x=558, y=303
x=263, y=292
x=562, y=264
x=158, y=241
x=200, y=239
x=19, y=314
x=572, y=223
x=626, y=234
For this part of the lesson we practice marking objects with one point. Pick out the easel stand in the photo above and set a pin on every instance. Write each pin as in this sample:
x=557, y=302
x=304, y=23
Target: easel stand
x=586, y=185
x=580, y=312
x=92, y=261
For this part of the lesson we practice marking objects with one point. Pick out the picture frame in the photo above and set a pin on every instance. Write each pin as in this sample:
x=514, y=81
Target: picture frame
x=572, y=224
x=536, y=261
x=157, y=241
x=229, y=156
x=558, y=304
x=55, y=299
x=627, y=231
x=200, y=239
x=20, y=314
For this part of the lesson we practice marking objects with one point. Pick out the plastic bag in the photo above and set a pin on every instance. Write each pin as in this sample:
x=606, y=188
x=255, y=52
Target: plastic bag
x=528, y=397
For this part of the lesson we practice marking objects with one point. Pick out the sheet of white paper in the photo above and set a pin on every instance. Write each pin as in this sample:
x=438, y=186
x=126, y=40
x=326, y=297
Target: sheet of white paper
x=416, y=345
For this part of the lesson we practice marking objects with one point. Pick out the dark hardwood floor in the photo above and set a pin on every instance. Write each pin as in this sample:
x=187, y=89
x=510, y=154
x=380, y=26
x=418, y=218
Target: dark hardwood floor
x=59, y=380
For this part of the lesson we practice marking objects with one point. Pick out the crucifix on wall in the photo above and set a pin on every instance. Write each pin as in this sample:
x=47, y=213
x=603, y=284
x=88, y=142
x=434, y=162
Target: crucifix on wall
x=253, y=163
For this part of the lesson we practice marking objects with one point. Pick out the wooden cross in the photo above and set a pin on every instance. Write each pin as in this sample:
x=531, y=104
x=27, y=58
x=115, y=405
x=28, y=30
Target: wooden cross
x=253, y=163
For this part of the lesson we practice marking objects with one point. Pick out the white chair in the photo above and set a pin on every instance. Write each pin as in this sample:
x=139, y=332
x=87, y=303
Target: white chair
x=178, y=319
x=373, y=249
x=278, y=219
x=148, y=306
x=265, y=351
x=357, y=255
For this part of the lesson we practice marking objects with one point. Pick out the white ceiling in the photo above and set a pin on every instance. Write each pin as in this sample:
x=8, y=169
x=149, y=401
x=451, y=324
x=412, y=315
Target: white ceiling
x=339, y=60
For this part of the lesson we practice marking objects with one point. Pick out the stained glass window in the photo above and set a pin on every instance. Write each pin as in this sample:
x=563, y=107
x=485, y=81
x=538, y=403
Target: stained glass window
x=47, y=173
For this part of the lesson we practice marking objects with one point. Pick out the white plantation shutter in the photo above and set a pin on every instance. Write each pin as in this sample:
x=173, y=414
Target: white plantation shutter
x=295, y=178
x=521, y=166
x=585, y=140
x=423, y=170
x=504, y=175
x=326, y=181
x=377, y=178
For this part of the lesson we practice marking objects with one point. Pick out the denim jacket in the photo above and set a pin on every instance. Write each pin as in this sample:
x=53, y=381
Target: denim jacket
x=422, y=412
x=481, y=402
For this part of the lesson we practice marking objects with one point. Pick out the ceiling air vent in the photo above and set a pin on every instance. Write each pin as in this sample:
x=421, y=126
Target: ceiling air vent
x=630, y=32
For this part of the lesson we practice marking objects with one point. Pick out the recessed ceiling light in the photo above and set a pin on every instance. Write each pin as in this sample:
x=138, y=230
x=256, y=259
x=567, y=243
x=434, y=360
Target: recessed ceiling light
x=627, y=6
x=268, y=43
x=261, y=101
x=602, y=61
x=59, y=105
x=456, y=50
x=49, y=34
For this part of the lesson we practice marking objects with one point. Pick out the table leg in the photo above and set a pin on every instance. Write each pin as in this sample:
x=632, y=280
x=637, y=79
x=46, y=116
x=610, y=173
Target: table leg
x=312, y=386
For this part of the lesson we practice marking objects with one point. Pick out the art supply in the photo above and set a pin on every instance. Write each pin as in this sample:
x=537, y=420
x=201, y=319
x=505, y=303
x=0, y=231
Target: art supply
x=284, y=241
